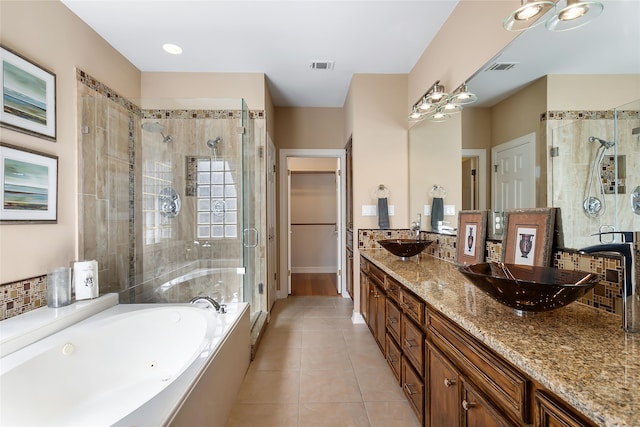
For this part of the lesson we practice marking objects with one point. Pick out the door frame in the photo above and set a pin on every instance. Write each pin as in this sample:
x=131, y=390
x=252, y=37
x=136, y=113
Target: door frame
x=481, y=174
x=285, y=222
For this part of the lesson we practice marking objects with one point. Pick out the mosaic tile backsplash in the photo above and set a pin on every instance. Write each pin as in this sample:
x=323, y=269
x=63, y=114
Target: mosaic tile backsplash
x=22, y=296
x=607, y=295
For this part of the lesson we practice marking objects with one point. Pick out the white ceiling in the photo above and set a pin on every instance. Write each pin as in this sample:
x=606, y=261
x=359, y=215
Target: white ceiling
x=281, y=38
x=278, y=38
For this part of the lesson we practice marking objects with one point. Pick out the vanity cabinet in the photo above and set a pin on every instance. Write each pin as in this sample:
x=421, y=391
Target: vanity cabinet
x=448, y=376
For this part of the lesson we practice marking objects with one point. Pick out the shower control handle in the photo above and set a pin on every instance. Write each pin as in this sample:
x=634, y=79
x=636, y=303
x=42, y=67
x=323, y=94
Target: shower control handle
x=247, y=234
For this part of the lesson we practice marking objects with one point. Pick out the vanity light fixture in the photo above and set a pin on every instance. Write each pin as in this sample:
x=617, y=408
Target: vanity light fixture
x=527, y=16
x=173, y=49
x=436, y=105
x=576, y=14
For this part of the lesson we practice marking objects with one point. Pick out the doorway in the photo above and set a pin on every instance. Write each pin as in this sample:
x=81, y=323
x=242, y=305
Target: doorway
x=311, y=222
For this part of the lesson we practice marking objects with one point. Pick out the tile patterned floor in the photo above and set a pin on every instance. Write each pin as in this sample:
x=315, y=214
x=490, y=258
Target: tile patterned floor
x=314, y=367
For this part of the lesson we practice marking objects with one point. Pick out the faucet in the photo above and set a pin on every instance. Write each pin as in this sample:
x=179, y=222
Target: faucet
x=630, y=297
x=220, y=308
x=416, y=227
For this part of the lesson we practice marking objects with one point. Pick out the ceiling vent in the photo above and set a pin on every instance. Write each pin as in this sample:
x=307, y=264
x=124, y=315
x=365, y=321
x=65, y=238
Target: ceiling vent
x=502, y=66
x=322, y=65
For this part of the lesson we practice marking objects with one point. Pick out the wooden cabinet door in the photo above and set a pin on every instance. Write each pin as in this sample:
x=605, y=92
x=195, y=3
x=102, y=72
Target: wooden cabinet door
x=477, y=411
x=364, y=294
x=443, y=395
x=349, y=272
x=381, y=315
x=371, y=306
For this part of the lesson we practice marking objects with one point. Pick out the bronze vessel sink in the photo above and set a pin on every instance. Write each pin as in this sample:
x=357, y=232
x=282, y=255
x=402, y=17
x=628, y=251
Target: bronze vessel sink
x=404, y=248
x=529, y=288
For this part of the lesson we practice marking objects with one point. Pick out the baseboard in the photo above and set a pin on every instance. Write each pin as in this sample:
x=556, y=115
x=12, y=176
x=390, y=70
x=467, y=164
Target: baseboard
x=357, y=318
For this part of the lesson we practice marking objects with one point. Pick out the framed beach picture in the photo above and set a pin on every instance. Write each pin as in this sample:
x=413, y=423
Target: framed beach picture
x=472, y=234
x=28, y=96
x=528, y=237
x=28, y=186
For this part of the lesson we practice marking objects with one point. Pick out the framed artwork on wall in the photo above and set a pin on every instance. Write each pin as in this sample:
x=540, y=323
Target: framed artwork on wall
x=28, y=96
x=528, y=237
x=472, y=234
x=28, y=186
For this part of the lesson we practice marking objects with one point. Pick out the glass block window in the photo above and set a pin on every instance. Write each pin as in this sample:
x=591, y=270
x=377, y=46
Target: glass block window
x=217, y=200
x=156, y=176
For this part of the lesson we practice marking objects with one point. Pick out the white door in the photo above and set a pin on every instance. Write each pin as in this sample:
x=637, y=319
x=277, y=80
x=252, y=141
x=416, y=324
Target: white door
x=272, y=250
x=339, y=255
x=514, y=174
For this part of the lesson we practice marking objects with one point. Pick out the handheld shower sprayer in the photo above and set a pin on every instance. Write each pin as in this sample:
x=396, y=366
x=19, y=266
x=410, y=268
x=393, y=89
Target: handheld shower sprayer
x=592, y=205
x=603, y=143
x=213, y=144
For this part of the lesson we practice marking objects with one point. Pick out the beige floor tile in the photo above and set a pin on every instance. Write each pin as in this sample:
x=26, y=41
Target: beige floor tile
x=287, y=323
x=396, y=414
x=333, y=415
x=264, y=415
x=329, y=386
x=277, y=359
x=367, y=357
x=318, y=301
x=270, y=387
x=379, y=385
x=333, y=324
x=321, y=311
x=282, y=338
x=322, y=339
x=335, y=359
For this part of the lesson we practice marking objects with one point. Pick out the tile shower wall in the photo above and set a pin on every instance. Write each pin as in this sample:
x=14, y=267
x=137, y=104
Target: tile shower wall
x=607, y=295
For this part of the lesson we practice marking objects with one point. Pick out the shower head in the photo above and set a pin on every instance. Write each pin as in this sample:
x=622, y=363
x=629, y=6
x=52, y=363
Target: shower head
x=156, y=127
x=213, y=143
x=605, y=144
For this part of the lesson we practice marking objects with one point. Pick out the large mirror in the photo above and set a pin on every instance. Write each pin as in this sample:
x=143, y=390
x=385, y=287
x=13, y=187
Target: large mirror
x=546, y=90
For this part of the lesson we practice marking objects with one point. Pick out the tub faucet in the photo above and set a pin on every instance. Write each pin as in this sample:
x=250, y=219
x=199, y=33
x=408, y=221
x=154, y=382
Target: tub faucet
x=416, y=227
x=630, y=296
x=220, y=308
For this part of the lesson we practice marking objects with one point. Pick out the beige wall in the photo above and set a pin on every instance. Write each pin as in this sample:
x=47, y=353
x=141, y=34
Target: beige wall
x=305, y=128
x=250, y=86
x=591, y=92
x=47, y=33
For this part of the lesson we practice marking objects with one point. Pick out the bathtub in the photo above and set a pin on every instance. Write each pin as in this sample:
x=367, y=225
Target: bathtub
x=131, y=364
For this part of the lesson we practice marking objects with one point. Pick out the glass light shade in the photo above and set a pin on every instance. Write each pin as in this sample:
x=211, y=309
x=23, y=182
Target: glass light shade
x=451, y=107
x=527, y=16
x=575, y=15
x=438, y=116
x=462, y=96
x=415, y=115
x=437, y=92
x=426, y=105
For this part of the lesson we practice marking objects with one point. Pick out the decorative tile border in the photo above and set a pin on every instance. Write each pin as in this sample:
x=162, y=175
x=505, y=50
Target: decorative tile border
x=199, y=114
x=22, y=296
x=106, y=91
x=589, y=115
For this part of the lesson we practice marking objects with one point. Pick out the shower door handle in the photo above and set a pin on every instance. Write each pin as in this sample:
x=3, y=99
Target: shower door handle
x=247, y=232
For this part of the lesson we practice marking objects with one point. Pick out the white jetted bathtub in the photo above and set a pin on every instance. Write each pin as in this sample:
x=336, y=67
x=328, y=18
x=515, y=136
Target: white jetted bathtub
x=131, y=364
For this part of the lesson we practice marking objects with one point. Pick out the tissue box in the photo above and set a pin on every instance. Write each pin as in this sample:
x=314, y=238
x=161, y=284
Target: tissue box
x=85, y=279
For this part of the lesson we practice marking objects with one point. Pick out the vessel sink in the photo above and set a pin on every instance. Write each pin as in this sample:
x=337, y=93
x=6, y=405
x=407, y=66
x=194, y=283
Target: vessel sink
x=405, y=248
x=529, y=288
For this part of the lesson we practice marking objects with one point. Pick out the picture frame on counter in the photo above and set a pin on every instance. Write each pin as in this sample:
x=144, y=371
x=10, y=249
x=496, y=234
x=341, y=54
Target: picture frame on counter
x=28, y=186
x=28, y=102
x=528, y=238
x=472, y=236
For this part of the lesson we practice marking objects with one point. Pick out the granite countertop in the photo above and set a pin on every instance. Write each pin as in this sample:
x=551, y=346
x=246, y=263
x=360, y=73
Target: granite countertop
x=579, y=353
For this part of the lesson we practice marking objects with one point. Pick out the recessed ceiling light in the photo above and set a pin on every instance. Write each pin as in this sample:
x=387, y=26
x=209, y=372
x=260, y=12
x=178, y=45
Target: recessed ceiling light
x=172, y=48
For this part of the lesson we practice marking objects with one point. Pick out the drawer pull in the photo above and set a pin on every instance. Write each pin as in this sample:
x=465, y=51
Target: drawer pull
x=407, y=387
x=409, y=343
x=448, y=382
x=392, y=359
x=392, y=320
x=467, y=405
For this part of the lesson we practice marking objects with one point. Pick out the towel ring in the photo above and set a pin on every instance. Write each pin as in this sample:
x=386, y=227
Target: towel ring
x=381, y=192
x=438, y=191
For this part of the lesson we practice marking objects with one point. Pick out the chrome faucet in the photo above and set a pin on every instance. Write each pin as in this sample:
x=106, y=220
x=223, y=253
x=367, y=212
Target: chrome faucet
x=630, y=296
x=220, y=308
x=416, y=227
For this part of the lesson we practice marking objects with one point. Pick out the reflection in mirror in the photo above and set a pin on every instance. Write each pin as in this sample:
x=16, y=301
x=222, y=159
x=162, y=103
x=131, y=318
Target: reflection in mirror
x=556, y=92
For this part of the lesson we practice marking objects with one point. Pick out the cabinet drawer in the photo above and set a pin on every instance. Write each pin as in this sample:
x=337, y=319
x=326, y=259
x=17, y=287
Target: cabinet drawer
x=413, y=388
x=549, y=412
x=412, y=306
x=412, y=343
x=502, y=383
x=393, y=288
x=393, y=356
x=393, y=320
x=377, y=273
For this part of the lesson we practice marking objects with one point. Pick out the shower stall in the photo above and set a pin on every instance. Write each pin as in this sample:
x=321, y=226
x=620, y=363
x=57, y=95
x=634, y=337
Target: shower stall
x=171, y=203
x=595, y=166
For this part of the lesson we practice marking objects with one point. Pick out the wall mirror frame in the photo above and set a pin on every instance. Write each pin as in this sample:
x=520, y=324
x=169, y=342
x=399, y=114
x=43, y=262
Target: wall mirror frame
x=558, y=84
